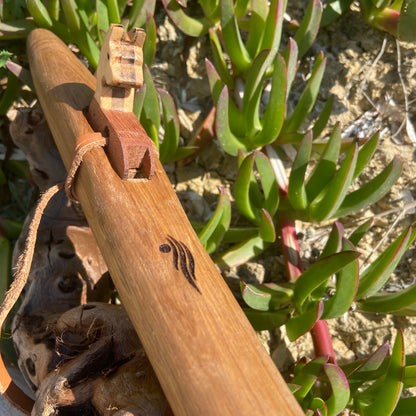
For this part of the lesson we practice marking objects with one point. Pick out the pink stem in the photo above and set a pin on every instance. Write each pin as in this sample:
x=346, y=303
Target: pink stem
x=322, y=342
x=291, y=249
x=320, y=333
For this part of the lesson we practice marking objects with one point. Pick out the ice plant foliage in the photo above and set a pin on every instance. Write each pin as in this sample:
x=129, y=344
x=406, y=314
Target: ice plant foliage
x=396, y=17
x=251, y=77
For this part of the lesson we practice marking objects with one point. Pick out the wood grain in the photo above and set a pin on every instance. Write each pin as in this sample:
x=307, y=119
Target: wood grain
x=131, y=151
x=205, y=353
x=120, y=68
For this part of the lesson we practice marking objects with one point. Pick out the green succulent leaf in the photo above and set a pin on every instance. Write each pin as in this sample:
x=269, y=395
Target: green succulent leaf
x=230, y=143
x=359, y=370
x=409, y=379
x=272, y=30
x=149, y=47
x=332, y=246
x=139, y=100
x=297, y=191
x=150, y=114
x=212, y=10
x=113, y=11
x=213, y=233
x=72, y=18
x=299, y=324
x=323, y=118
x=385, y=393
x=139, y=11
x=319, y=145
x=11, y=229
x=9, y=94
x=53, y=8
x=308, y=97
x=242, y=252
x=267, y=296
x=307, y=377
x=266, y=320
x=380, y=4
x=15, y=29
x=340, y=389
x=243, y=190
x=406, y=29
x=319, y=273
x=77, y=21
x=216, y=85
x=366, y=153
x=240, y=8
x=290, y=55
x=360, y=231
x=188, y=25
x=266, y=227
x=274, y=115
x=259, y=13
x=215, y=81
x=237, y=235
x=309, y=27
x=405, y=407
x=39, y=13
x=219, y=60
x=389, y=302
x=334, y=242
x=318, y=407
x=252, y=92
x=103, y=22
x=346, y=287
x=373, y=190
x=326, y=166
x=232, y=38
x=270, y=189
x=327, y=202
x=169, y=145
x=376, y=275
x=333, y=9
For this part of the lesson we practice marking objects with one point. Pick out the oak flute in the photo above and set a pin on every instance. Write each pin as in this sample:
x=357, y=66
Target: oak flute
x=205, y=353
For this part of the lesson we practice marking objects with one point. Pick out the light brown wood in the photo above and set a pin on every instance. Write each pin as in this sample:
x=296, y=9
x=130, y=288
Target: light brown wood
x=120, y=68
x=130, y=150
x=206, y=355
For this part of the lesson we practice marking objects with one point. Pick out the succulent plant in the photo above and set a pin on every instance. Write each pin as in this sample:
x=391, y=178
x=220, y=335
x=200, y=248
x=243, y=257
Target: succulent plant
x=395, y=17
x=252, y=78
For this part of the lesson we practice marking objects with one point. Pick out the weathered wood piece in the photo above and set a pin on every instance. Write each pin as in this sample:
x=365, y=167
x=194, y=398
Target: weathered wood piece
x=102, y=367
x=120, y=68
x=67, y=268
x=205, y=353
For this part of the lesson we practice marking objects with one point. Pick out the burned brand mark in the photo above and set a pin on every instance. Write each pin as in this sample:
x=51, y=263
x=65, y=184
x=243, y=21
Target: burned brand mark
x=182, y=257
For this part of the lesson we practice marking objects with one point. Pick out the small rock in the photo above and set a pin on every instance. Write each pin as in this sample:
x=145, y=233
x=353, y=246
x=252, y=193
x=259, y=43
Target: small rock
x=252, y=272
x=195, y=207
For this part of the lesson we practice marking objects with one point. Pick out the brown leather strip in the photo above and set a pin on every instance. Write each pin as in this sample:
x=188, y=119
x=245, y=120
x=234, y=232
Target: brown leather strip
x=16, y=397
x=83, y=145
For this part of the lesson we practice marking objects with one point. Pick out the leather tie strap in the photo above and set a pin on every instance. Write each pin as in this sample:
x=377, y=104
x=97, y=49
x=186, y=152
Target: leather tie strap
x=83, y=145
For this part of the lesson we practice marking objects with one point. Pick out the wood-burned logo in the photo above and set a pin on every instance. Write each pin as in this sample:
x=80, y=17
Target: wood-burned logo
x=182, y=257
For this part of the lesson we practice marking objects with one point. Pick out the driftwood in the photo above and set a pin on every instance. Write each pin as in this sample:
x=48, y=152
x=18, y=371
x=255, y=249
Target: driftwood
x=102, y=367
x=78, y=359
